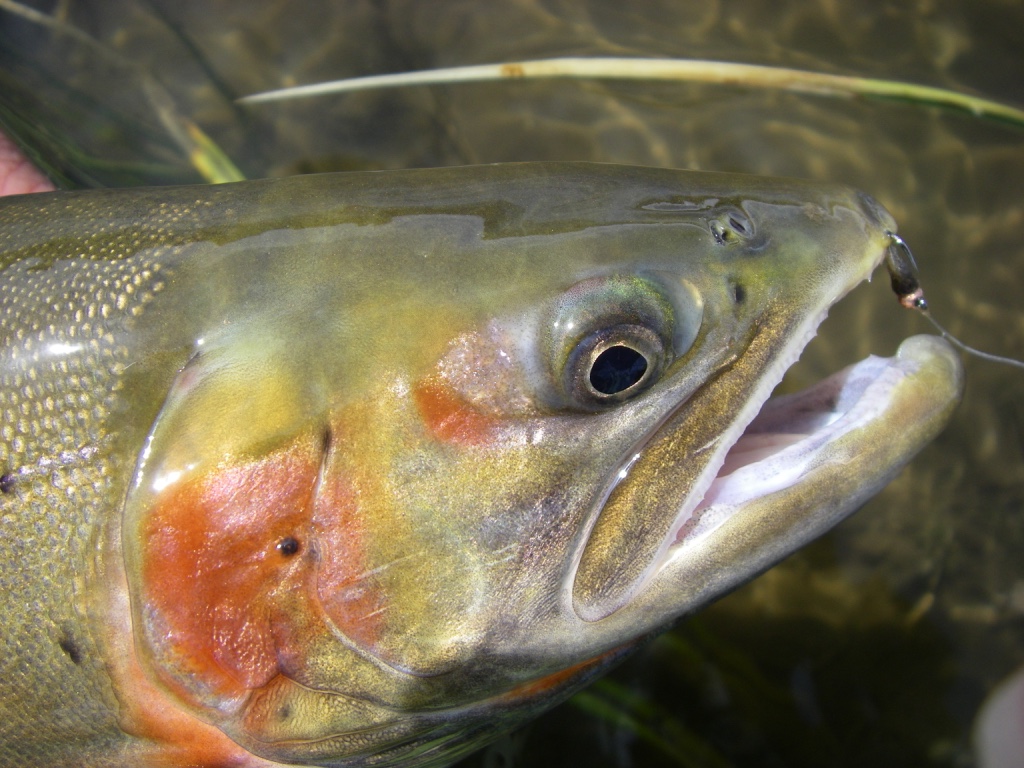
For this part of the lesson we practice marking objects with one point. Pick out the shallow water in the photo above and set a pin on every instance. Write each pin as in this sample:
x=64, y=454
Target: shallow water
x=878, y=643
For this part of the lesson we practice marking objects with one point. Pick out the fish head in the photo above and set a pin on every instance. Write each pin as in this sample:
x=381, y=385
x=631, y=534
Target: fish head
x=394, y=511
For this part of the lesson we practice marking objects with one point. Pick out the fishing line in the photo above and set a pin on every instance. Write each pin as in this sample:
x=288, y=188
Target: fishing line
x=906, y=284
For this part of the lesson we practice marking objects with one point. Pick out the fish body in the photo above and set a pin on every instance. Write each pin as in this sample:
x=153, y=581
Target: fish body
x=367, y=468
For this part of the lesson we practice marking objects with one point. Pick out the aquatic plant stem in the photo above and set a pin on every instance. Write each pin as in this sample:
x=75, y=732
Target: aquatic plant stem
x=208, y=159
x=679, y=70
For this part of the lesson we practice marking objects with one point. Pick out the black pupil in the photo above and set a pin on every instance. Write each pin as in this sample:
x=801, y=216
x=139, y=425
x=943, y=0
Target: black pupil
x=617, y=369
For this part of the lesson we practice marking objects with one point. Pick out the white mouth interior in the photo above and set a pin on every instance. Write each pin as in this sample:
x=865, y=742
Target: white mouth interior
x=790, y=435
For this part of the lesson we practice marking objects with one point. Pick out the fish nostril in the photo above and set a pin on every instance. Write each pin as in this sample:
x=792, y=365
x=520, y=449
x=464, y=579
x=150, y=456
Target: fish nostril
x=875, y=211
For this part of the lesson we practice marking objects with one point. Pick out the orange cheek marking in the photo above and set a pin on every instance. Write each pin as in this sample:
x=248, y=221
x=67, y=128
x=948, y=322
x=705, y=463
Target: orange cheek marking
x=169, y=737
x=243, y=566
x=215, y=549
x=452, y=420
x=551, y=683
x=177, y=739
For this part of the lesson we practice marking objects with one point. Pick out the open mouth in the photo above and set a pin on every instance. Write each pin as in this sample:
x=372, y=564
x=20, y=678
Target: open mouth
x=793, y=435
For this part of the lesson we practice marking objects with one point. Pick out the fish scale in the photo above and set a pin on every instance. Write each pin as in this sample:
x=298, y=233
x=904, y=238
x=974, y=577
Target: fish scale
x=67, y=478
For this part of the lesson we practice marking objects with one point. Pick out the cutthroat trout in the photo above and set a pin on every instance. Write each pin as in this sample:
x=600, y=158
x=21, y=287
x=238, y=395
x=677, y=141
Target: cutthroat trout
x=365, y=469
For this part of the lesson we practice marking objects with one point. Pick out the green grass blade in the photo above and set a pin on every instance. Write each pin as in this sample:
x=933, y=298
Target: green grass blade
x=611, y=702
x=209, y=160
x=679, y=70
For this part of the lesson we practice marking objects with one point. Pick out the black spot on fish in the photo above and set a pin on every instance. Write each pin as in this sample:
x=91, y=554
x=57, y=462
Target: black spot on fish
x=739, y=293
x=7, y=482
x=70, y=647
x=288, y=546
x=284, y=712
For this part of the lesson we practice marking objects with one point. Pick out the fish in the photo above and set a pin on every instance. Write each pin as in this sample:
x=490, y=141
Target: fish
x=368, y=468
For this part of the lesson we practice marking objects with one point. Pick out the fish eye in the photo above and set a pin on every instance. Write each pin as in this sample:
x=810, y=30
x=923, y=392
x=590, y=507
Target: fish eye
x=614, y=364
x=613, y=337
